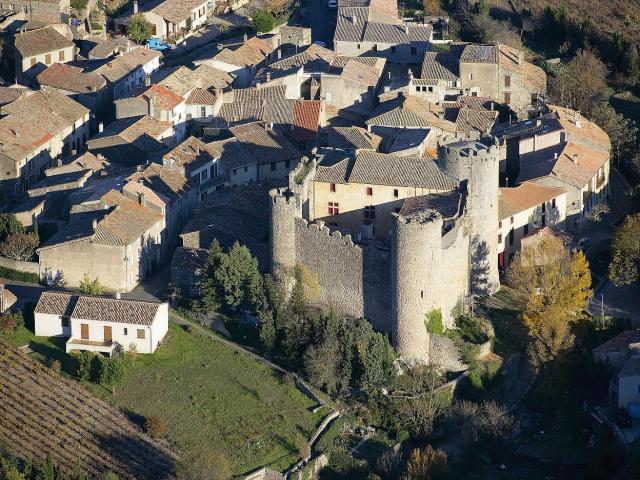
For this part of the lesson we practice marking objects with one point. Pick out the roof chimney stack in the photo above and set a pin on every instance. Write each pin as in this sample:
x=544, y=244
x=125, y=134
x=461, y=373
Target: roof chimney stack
x=94, y=224
x=135, y=7
x=578, y=123
x=100, y=127
x=147, y=81
x=245, y=38
x=406, y=29
x=268, y=76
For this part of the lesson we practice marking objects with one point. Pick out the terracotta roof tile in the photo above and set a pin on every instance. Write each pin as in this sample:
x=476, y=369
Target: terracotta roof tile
x=40, y=41
x=306, y=119
x=69, y=78
x=525, y=196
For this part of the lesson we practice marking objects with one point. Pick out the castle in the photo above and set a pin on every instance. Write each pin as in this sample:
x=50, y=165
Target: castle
x=435, y=243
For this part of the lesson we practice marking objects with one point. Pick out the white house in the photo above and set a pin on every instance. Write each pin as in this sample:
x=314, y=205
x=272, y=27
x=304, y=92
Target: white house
x=97, y=324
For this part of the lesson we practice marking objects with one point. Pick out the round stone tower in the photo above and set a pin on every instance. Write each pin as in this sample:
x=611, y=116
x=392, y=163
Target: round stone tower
x=476, y=165
x=416, y=279
x=283, y=209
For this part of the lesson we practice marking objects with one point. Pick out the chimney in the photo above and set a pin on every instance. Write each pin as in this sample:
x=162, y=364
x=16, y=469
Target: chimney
x=406, y=29
x=578, y=123
x=118, y=296
x=59, y=162
x=245, y=38
x=93, y=88
x=410, y=74
x=94, y=224
x=574, y=158
x=147, y=81
x=555, y=155
x=141, y=198
x=492, y=106
x=354, y=20
x=268, y=76
x=100, y=127
x=74, y=152
x=135, y=7
x=279, y=54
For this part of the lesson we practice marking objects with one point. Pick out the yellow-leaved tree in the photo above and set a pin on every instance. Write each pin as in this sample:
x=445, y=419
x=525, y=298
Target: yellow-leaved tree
x=554, y=288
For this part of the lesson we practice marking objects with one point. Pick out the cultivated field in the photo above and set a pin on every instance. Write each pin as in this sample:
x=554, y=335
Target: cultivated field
x=43, y=412
x=218, y=402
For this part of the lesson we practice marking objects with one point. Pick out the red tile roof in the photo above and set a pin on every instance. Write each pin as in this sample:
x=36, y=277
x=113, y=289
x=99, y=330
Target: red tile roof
x=163, y=98
x=72, y=79
x=306, y=117
x=525, y=196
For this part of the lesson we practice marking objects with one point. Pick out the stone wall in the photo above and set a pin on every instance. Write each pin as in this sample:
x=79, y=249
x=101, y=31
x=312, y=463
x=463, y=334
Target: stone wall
x=354, y=280
x=28, y=267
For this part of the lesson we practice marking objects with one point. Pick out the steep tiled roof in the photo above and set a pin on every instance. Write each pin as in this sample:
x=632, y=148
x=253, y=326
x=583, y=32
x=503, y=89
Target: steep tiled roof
x=314, y=56
x=580, y=130
x=163, y=98
x=371, y=168
x=446, y=203
x=115, y=310
x=525, y=196
x=161, y=180
x=175, y=11
x=471, y=119
x=20, y=138
x=143, y=132
x=574, y=164
x=9, y=94
x=85, y=161
x=355, y=24
x=69, y=78
x=125, y=63
x=200, y=96
x=620, y=342
x=250, y=104
x=306, y=118
x=40, y=41
x=265, y=144
x=410, y=111
x=528, y=128
x=250, y=53
x=397, y=34
x=192, y=151
x=439, y=66
x=182, y=80
x=106, y=48
x=352, y=138
x=475, y=53
x=357, y=72
x=56, y=303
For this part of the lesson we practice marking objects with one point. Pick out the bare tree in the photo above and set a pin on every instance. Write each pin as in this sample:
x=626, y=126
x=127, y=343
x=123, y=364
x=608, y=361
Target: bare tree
x=19, y=246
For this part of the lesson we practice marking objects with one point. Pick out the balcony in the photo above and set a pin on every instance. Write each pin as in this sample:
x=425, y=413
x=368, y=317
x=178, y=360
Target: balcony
x=90, y=345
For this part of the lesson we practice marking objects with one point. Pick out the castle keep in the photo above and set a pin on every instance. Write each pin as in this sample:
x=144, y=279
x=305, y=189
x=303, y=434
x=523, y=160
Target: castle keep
x=427, y=235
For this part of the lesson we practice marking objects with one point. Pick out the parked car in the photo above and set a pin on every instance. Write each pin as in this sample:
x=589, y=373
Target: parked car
x=156, y=44
x=320, y=43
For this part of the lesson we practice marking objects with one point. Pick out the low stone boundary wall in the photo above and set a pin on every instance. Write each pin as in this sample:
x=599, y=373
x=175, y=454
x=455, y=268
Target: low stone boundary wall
x=28, y=267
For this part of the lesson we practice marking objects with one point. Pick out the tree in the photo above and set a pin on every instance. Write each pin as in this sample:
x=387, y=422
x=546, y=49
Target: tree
x=108, y=371
x=19, y=246
x=321, y=363
x=553, y=288
x=155, y=426
x=139, y=29
x=239, y=278
x=211, y=294
x=267, y=329
x=79, y=5
x=427, y=464
x=485, y=422
x=263, y=21
x=91, y=287
x=84, y=365
x=625, y=252
x=9, y=225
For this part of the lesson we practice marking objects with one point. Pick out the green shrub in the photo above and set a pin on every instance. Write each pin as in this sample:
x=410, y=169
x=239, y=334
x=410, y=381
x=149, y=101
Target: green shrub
x=471, y=328
x=263, y=21
x=18, y=276
x=433, y=322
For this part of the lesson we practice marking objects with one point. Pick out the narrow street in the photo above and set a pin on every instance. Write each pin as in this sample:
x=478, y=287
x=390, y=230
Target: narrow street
x=317, y=15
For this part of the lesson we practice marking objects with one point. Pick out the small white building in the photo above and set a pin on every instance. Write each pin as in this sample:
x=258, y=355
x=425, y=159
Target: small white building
x=97, y=324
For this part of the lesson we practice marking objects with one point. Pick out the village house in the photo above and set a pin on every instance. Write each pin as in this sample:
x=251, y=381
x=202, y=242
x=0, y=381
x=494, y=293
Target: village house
x=242, y=60
x=88, y=89
x=42, y=11
x=194, y=160
x=37, y=49
x=622, y=352
x=134, y=140
x=162, y=189
x=168, y=18
x=98, y=324
x=7, y=298
x=114, y=239
x=31, y=145
x=350, y=140
x=188, y=269
x=523, y=211
x=126, y=72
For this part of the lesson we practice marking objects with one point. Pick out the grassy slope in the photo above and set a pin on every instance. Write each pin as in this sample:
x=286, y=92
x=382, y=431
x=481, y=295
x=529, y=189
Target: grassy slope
x=210, y=395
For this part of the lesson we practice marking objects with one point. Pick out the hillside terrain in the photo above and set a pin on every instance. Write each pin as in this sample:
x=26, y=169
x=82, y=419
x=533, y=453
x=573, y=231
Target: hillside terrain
x=44, y=412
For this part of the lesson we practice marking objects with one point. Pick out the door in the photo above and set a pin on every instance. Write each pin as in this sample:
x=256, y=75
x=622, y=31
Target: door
x=107, y=334
x=84, y=331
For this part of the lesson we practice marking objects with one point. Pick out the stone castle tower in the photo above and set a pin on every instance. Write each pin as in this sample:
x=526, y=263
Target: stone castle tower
x=416, y=281
x=476, y=165
x=283, y=208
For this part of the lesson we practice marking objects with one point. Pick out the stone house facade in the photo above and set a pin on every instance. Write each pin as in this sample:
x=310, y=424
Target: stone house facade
x=41, y=47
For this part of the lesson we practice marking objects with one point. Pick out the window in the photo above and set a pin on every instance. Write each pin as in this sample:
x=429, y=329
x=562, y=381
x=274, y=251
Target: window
x=333, y=208
x=544, y=220
x=375, y=47
x=500, y=238
x=33, y=61
x=553, y=203
x=370, y=212
x=430, y=89
x=358, y=46
x=204, y=174
x=141, y=333
x=396, y=193
x=417, y=88
x=507, y=97
x=47, y=58
x=203, y=111
x=511, y=220
x=332, y=187
x=414, y=51
x=61, y=55
x=525, y=230
x=511, y=237
x=471, y=76
x=125, y=331
x=369, y=191
x=500, y=224
x=507, y=80
x=273, y=166
x=474, y=94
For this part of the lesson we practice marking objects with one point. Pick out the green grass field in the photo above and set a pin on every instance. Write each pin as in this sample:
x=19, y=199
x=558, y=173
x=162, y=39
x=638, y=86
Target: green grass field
x=216, y=399
x=212, y=398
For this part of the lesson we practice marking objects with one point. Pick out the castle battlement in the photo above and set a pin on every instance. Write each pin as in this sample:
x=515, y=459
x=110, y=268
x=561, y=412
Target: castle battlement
x=324, y=231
